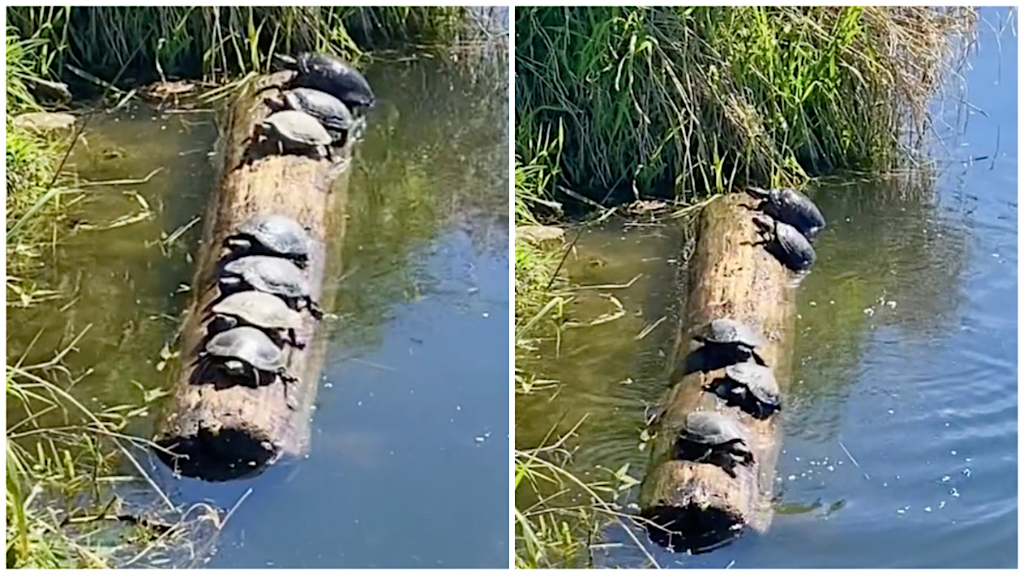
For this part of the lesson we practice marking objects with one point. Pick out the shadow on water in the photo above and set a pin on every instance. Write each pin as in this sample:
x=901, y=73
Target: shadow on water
x=901, y=417
x=410, y=428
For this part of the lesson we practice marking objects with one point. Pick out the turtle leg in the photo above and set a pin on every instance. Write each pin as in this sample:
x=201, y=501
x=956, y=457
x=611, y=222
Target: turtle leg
x=287, y=380
x=314, y=308
x=294, y=339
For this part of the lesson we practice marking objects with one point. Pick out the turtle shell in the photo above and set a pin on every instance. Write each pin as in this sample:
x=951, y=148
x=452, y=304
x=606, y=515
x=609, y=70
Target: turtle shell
x=249, y=345
x=758, y=379
x=794, y=250
x=711, y=428
x=278, y=234
x=794, y=208
x=334, y=76
x=729, y=331
x=276, y=276
x=330, y=111
x=259, y=309
x=297, y=127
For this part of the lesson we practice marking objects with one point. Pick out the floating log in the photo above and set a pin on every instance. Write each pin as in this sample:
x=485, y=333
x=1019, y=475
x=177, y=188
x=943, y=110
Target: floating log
x=697, y=506
x=213, y=429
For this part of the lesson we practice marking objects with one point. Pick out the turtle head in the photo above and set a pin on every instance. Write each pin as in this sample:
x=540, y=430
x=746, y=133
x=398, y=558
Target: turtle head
x=234, y=366
x=285, y=61
x=764, y=222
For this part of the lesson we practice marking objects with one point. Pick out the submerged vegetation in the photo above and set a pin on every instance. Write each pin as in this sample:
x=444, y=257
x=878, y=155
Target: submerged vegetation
x=616, y=104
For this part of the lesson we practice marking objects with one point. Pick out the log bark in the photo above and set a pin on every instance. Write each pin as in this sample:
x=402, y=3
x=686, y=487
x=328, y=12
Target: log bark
x=697, y=506
x=212, y=429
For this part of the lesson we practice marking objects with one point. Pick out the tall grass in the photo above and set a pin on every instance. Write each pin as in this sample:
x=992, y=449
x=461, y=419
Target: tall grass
x=680, y=101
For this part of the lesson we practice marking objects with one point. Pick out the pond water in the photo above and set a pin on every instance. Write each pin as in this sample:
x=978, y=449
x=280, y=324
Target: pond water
x=410, y=430
x=900, y=432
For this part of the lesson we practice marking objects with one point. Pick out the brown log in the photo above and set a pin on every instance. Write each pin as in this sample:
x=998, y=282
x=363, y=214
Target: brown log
x=219, y=430
x=697, y=505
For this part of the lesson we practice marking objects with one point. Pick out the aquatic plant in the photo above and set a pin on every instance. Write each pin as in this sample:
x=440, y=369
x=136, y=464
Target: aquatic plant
x=684, y=101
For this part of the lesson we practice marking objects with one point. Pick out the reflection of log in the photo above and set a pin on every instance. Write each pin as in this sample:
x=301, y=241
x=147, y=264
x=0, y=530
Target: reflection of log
x=697, y=505
x=220, y=430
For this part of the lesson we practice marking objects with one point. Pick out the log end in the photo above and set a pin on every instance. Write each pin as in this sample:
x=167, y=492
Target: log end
x=216, y=455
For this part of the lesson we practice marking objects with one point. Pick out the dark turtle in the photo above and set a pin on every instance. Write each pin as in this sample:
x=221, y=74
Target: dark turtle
x=750, y=386
x=271, y=234
x=247, y=352
x=714, y=438
x=260, y=310
x=330, y=74
x=790, y=206
x=295, y=129
x=786, y=243
x=275, y=276
x=331, y=112
x=731, y=341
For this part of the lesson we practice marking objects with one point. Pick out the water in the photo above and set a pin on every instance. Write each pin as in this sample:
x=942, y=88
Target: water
x=905, y=356
x=410, y=429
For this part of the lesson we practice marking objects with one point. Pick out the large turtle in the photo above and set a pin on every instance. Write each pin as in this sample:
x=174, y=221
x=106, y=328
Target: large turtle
x=271, y=234
x=275, y=276
x=730, y=340
x=786, y=243
x=750, y=386
x=260, y=310
x=247, y=352
x=714, y=438
x=790, y=206
x=330, y=74
x=296, y=130
x=332, y=113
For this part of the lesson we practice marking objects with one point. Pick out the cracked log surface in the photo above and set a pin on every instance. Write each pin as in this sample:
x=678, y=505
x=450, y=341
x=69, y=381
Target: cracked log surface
x=218, y=430
x=697, y=506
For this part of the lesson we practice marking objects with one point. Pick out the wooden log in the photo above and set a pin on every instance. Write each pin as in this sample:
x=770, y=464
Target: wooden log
x=697, y=506
x=219, y=430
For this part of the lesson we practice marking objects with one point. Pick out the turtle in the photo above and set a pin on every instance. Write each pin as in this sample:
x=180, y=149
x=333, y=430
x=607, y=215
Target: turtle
x=331, y=112
x=272, y=275
x=731, y=340
x=790, y=206
x=295, y=129
x=271, y=234
x=750, y=386
x=248, y=352
x=260, y=310
x=330, y=74
x=786, y=243
x=714, y=438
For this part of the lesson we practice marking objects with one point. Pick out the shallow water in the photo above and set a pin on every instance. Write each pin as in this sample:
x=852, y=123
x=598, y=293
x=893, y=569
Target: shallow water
x=900, y=446
x=410, y=430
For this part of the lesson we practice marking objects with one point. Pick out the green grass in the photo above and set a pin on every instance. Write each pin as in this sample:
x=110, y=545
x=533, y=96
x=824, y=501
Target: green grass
x=687, y=101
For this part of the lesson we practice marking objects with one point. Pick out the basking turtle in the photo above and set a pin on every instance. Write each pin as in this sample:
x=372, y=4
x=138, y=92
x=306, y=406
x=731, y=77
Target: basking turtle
x=294, y=129
x=786, y=243
x=331, y=112
x=275, y=276
x=330, y=74
x=248, y=352
x=260, y=310
x=790, y=206
x=731, y=340
x=714, y=438
x=750, y=386
x=271, y=234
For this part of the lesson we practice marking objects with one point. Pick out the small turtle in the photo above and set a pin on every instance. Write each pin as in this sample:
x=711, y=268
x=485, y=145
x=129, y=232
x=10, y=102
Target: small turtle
x=271, y=234
x=714, y=438
x=790, y=206
x=330, y=74
x=294, y=129
x=332, y=113
x=731, y=340
x=248, y=352
x=260, y=310
x=786, y=243
x=750, y=386
x=275, y=276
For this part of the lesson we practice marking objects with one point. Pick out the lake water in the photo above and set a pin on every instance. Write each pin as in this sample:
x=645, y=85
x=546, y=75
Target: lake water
x=900, y=427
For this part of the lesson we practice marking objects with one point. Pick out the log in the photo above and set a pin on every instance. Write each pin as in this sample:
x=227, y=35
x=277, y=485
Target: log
x=211, y=428
x=697, y=506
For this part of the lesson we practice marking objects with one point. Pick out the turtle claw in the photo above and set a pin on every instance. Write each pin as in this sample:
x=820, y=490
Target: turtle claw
x=314, y=309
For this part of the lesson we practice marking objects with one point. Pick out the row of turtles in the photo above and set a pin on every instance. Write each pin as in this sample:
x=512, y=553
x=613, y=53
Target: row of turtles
x=323, y=106
x=788, y=224
x=748, y=384
x=264, y=291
